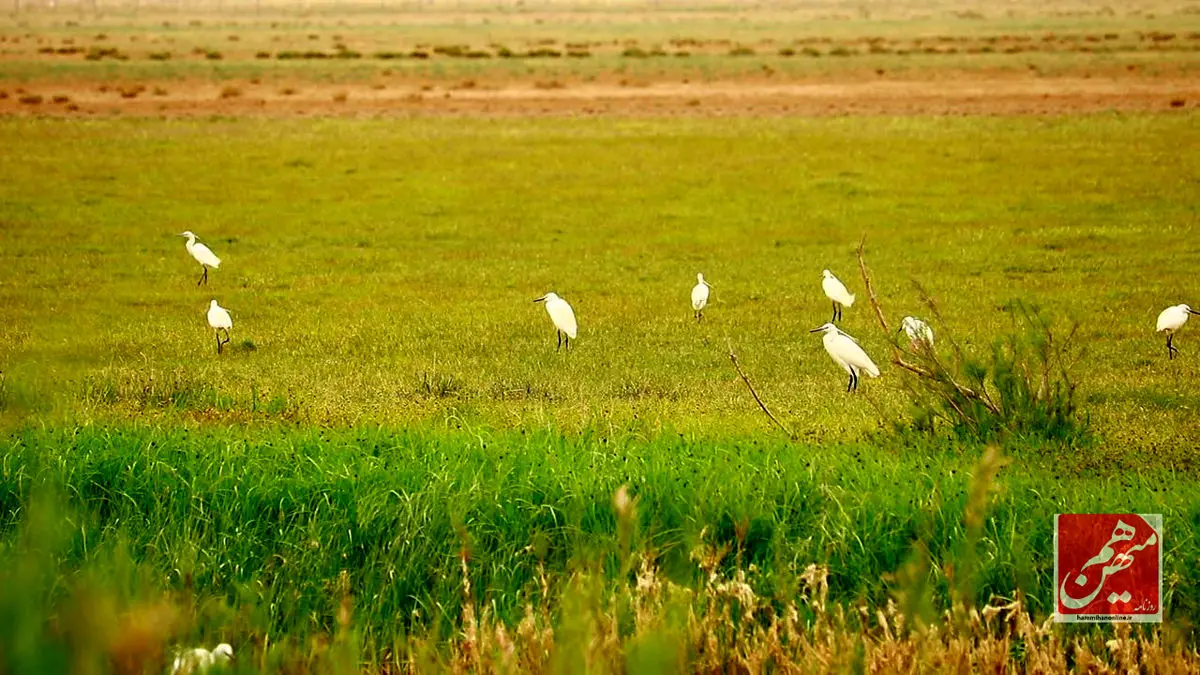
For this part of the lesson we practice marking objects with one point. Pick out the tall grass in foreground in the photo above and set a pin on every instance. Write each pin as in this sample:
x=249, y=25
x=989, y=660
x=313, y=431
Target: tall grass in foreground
x=320, y=551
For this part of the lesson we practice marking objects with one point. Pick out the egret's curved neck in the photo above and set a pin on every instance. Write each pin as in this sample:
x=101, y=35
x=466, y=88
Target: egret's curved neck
x=191, y=241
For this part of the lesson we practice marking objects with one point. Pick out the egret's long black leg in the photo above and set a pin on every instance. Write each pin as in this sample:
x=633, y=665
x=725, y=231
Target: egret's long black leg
x=567, y=342
x=203, y=277
x=219, y=343
x=226, y=335
x=558, y=334
x=1171, y=350
x=835, y=313
x=850, y=383
x=854, y=374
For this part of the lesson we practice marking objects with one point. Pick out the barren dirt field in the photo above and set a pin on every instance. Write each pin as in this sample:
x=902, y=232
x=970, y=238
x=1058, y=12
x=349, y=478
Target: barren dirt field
x=989, y=94
x=472, y=59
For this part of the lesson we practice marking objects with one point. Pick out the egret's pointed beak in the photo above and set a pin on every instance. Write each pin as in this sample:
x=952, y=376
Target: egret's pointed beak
x=541, y=299
x=1192, y=311
x=818, y=330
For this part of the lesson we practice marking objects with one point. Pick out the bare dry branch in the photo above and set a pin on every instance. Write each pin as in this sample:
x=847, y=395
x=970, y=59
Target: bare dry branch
x=733, y=358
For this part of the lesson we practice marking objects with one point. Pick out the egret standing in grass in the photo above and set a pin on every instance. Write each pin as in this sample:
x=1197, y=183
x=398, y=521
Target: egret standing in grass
x=699, y=296
x=836, y=291
x=563, y=317
x=918, y=331
x=219, y=319
x=845, y=352
x=1170, y=320
x=202, y=254
x=200, y=660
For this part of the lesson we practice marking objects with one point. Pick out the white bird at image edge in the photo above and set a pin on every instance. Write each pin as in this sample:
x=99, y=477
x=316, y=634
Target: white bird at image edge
x=1171, y=320
x=201, y=660
x=845, y=352
x=699, y=295
x=562, y=315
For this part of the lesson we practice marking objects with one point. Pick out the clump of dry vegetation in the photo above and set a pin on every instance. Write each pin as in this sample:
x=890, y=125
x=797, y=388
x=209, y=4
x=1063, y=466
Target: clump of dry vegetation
x=101, y=53
x=131, y=91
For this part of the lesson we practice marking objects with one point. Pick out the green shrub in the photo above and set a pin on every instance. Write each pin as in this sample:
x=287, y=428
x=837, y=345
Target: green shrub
x=1021, y=386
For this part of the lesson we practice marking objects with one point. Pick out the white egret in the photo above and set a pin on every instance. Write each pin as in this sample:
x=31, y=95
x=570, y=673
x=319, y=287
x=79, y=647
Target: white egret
x=200, y=660
x=219, y=319
x=845, y=352
x=1170, y=320
x=699, y=296
x=202, y=254
x=918, y=331
x=563, y=317
x=836, y=291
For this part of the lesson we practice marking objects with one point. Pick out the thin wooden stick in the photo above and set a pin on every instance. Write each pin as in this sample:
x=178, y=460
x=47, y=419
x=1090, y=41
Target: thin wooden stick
x=757, y=398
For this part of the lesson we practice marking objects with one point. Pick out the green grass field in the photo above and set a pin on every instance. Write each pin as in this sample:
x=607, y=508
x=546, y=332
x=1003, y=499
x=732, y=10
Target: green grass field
x=392, y=396
x=384, y=272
